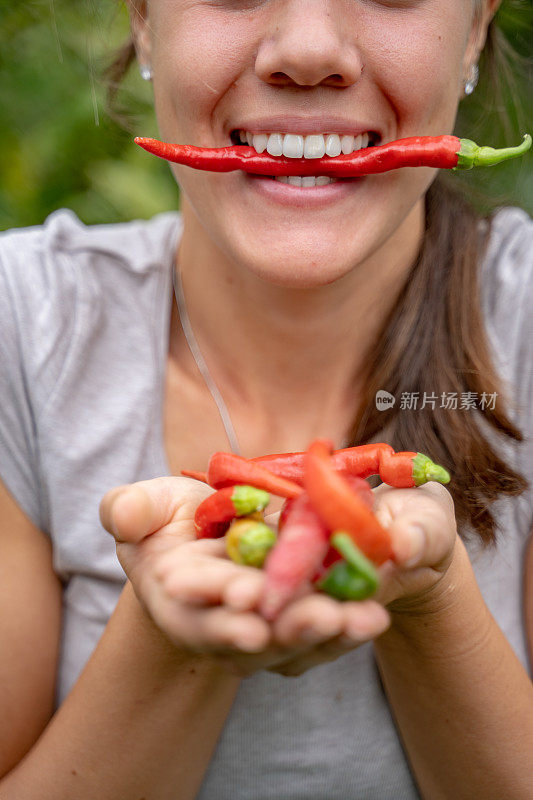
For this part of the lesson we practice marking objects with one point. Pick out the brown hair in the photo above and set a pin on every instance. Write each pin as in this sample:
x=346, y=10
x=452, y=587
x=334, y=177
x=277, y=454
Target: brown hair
x=434, y=341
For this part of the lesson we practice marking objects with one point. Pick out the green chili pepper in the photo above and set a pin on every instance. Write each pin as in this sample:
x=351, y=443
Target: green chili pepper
x=249, y=540
x=356, y=578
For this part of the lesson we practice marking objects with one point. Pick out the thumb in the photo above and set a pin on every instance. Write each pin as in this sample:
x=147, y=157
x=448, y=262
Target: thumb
x=422, y=527
x=133, y=511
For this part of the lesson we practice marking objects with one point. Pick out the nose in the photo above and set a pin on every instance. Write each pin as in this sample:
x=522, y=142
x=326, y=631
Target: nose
x=306, y=45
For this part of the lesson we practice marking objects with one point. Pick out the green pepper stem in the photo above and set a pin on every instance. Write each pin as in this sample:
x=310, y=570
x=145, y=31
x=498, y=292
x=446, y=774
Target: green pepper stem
x=472, y=155
x=345, y=583
x=355, y=558
x=247, y=499
x=424, y=470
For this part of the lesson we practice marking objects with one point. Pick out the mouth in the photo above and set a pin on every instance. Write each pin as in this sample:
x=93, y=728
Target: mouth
x=307, y=146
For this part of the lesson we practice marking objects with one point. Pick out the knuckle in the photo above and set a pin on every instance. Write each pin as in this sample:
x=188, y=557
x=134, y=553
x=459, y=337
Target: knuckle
x=172, y=585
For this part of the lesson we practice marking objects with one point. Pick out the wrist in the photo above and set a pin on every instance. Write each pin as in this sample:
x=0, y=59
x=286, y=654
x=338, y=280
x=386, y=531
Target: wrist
x=447, y=595
x=449, y=615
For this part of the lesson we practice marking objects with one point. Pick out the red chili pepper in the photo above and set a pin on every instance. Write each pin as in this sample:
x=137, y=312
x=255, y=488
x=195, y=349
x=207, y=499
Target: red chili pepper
x=286, y=465
x=404, y=470
x=395, y=469
x=192, y=473
x=214, y=514
x=363, y=490
x=340, y=507
x=226, y=469
x=444, y=152
x=295, y=558
x=361, y=461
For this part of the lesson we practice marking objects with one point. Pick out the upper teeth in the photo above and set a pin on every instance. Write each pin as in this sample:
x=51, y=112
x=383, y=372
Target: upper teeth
x=293, y=145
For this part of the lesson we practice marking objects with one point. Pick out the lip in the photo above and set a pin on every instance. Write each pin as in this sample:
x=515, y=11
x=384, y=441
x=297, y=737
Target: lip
x=298, y=197
x=305, y=125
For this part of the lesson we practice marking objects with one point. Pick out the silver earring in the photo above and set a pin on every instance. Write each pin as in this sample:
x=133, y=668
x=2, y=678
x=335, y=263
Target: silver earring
x=473, y=78
x=146, y=72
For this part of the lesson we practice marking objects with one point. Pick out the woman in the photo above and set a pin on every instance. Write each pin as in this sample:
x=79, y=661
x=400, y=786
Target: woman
x=305, y=301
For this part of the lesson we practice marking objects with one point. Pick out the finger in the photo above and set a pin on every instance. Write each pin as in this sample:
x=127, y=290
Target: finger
x=243, y=593
x=309, y=620
x=133, y=511
x=421, y=523
x=198, y=580
x=364, y=621
x=215, y=630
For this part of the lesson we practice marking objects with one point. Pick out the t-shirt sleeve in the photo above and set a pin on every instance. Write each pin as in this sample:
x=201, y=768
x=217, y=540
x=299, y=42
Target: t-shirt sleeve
x=508, y=302
x=38, y=299
x=19, y=456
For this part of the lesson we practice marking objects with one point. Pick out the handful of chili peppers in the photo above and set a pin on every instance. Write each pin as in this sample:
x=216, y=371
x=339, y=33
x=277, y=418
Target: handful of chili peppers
x=328, y=535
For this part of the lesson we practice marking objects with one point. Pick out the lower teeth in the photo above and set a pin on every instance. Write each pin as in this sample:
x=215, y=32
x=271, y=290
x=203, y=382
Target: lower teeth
x=307, y=181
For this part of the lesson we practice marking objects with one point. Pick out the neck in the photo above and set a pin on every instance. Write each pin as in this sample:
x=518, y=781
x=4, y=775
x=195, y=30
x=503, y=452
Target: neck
x=274, y=350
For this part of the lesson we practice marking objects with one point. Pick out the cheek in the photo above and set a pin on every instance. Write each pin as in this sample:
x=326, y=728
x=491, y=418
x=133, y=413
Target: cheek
x=418, y=67
x=198, y=54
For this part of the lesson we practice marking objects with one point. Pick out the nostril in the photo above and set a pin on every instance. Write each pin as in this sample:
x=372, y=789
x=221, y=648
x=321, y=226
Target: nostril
x=278, y=78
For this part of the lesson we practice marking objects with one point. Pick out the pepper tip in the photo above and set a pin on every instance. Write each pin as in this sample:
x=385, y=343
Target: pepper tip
x=424, y=470
x=434, y=472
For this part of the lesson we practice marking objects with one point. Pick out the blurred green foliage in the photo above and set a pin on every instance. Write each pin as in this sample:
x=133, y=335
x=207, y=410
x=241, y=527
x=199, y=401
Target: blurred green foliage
x=60, y=148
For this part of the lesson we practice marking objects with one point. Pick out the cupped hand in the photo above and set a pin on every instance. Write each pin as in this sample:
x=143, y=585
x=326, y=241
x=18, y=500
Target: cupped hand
x=205, y=603
x=423, y=529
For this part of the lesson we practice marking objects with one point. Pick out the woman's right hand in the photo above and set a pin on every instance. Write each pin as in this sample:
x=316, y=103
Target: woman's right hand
x=203, y=601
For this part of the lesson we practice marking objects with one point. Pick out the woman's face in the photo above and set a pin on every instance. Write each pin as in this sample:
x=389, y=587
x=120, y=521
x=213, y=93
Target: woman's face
x=389, y=68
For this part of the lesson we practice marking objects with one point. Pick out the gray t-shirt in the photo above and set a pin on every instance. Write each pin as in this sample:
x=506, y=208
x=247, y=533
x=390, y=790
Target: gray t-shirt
x=84, y=318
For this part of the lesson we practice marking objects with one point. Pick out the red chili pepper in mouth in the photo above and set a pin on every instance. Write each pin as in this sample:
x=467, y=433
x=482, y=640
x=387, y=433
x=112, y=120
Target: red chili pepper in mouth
x=340, y=507
x=442, y=152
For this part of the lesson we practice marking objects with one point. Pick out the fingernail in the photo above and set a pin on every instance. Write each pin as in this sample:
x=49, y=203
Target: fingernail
x=120, y=495
x=416, y=545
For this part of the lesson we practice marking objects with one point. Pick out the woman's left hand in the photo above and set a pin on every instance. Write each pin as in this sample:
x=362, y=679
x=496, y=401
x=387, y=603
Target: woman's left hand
x=423, y=529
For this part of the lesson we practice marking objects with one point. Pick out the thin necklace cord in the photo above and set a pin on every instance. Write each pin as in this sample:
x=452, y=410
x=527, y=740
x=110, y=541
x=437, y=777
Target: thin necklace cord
x=200, y=362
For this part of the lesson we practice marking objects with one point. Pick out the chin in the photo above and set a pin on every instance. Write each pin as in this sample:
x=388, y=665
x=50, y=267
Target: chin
x=300, y=273
x=308, y=264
